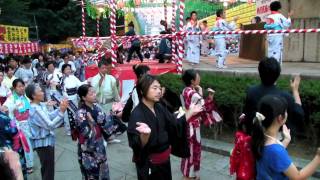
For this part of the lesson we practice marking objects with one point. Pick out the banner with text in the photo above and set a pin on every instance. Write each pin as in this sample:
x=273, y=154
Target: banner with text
x=263, y=9
x=19, y=48
x=14, y=33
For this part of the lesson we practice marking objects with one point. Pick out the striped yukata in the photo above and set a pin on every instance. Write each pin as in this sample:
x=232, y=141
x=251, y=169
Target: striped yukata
x=42, y=125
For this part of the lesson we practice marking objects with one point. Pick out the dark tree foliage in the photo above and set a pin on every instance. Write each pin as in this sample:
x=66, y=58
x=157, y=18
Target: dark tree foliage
x=56, y=19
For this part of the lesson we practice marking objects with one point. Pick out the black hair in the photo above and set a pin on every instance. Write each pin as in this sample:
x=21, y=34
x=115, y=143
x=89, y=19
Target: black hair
x=16, y=81
x=188, y=19
x=104, y=61
x=270, y=106
x=6, y=172
x=131, y=24
x=188, y=76
x=205, y=21
x=269, y=71
x=144, y=84
x=257, y=19
x=48, y=63
x=275, y=6
x=193, y=12
x=140, y=70
x=83, y=91
x=26, y=60
x=30, y=91
x=64, y=55
x=6, y=69
x=64, y=67
x=219, y=12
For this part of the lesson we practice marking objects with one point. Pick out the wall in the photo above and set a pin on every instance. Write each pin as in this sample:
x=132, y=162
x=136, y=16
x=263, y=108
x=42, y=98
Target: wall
x=303, y=47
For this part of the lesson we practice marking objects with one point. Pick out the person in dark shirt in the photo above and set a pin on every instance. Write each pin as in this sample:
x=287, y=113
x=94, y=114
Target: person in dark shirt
x=154, y=133
x=269, y=71
x=135, y=43
x=165, y=51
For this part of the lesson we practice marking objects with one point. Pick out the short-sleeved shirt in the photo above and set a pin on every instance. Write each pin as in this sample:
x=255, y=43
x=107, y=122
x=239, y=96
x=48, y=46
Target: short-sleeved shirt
x=274, y=162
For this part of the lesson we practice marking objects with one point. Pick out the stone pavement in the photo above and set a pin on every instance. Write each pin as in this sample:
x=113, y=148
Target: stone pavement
x=213, y=166
x=240, y=66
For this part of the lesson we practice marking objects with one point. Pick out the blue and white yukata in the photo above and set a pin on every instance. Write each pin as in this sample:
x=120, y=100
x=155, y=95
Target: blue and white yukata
x=275, y=41
x=193, y=44
x=220, y=40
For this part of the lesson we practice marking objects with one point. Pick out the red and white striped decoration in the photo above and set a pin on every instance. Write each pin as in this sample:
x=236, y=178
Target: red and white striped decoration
x=165, y=11
x=83, y=16
x=173, y=29
x=98, y=27
x=159, y=36
x=113, y=32
x=180, y=37
x=256, y=32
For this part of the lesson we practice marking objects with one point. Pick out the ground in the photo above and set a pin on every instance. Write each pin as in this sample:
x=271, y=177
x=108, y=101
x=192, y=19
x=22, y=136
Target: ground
x=120, y=164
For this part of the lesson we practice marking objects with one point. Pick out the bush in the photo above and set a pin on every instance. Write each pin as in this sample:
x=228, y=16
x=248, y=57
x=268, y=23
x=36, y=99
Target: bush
x=231, y=92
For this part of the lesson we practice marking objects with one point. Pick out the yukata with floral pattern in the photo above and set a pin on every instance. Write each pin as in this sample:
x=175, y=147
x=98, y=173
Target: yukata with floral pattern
x=242, y=162
x=92, y=152
x=9, y=137
x=19, y=107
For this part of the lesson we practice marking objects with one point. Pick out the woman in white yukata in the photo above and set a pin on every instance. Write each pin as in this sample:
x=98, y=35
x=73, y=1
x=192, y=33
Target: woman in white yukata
x=193, y=41
x=69, y=86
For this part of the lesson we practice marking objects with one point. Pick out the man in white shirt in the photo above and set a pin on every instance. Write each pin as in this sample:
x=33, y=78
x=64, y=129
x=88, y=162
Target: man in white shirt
x=66, y=60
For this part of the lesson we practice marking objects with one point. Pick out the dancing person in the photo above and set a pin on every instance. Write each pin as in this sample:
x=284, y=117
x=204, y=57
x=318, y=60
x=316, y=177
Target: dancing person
x=52, y=79
x=272, y=158
x=220, y=39
x=69, y=85
x=276, y=21
x=135, y=43
x=91, y=122
x=204, y=42
x=67, y=60
x=42, y=124
x=26, y=72
x=154, y=132
x=105, y=85
x=192, y=93
x=193, y=41
x=106, y=88
x=269, y=71
x=9, y=76
x=133, y=99
x=165, y=50
x=18, y=107
x=4, y=90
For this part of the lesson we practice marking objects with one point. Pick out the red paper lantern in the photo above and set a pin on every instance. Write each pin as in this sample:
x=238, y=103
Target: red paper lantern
x=120, y=4
x=137, y=2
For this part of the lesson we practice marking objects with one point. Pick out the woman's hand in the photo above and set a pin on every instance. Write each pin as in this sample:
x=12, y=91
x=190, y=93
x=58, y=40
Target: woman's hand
x=193, y=110
x=64, y=105
x=199, y=90
x=51, y=103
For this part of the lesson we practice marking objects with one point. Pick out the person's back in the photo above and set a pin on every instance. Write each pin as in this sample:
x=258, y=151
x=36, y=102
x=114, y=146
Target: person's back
x=269, y=70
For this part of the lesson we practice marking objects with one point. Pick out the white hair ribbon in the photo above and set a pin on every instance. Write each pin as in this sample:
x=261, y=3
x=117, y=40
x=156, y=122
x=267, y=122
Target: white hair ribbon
x=260, y=117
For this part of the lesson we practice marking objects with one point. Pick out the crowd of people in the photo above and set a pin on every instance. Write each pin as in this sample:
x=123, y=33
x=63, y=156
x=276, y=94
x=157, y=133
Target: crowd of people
x=41, y=93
